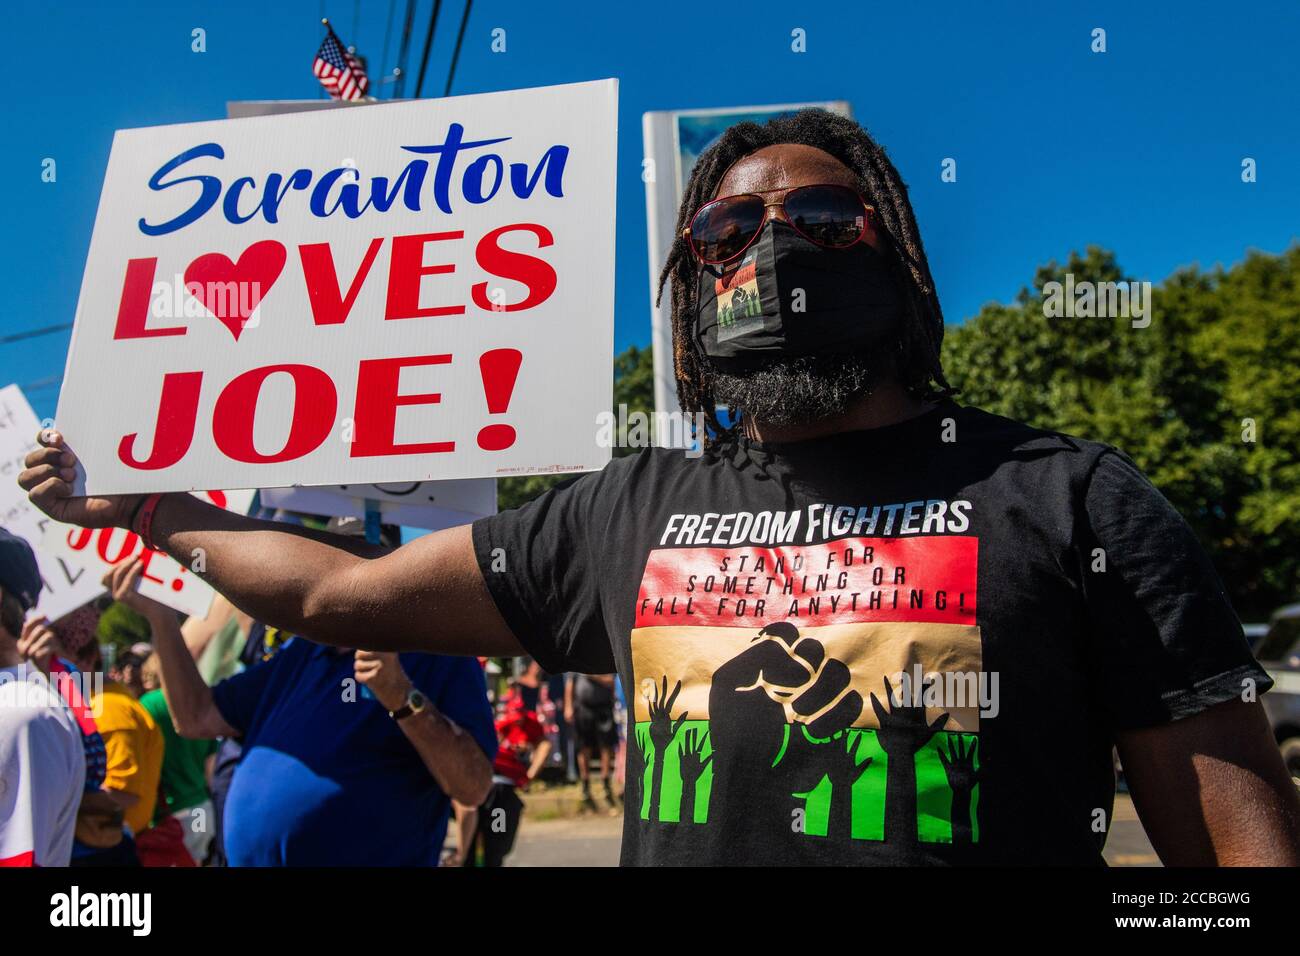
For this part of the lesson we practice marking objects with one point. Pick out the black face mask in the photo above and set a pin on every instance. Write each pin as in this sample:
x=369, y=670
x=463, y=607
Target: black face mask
x=787, y=296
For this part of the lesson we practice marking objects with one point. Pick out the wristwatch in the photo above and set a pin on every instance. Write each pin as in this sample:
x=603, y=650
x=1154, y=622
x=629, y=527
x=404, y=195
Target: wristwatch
x=415, y=702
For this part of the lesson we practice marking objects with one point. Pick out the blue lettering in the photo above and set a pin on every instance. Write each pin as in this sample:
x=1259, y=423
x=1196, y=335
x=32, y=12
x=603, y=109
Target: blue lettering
x=413, y=175
x=552, y=161
x=472, y=184
x=211, y=189
x=447, y=159
x=273, y=195
x=231, y=204
x=321, y=193
x=480, y=182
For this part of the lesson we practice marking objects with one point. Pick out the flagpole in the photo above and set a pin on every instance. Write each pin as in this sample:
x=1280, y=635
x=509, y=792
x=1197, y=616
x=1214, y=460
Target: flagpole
x=320, y=91
x=330, y=30
x=347, y=51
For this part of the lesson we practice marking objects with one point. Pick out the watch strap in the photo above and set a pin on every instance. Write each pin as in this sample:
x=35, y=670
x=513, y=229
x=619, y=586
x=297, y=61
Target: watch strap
x=409, y=706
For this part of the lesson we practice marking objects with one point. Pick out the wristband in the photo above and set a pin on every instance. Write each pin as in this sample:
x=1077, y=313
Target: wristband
x=135, y=513
x=145, y=519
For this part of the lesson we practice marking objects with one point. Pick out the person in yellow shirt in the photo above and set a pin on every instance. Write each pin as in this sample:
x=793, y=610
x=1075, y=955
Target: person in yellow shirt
x=134, y=744
x=132, y=739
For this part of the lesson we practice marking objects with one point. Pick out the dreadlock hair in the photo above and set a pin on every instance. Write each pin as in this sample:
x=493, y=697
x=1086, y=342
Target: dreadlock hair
x=917, y=363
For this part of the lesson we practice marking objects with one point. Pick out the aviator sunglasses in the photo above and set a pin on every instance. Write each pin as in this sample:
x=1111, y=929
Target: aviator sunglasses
x=832, y=216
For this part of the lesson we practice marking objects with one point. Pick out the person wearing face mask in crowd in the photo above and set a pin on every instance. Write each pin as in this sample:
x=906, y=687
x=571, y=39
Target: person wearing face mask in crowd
x=868, y=625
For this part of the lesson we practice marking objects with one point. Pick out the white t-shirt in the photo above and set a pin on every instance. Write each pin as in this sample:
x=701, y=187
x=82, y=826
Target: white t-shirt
x=42, y=771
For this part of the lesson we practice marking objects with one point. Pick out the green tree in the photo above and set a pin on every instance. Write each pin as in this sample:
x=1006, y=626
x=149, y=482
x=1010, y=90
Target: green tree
x=633, y=388
x=1179, y=396
x=119, y=627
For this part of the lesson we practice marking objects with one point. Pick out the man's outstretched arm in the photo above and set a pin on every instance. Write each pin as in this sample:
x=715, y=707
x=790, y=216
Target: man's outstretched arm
x=1212, y=790
x=426, y=596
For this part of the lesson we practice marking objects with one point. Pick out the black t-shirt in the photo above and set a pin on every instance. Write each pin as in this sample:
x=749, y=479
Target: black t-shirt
x=1024, y=593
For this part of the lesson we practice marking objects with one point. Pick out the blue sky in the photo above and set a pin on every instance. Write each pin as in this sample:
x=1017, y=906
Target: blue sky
x=1138, y=149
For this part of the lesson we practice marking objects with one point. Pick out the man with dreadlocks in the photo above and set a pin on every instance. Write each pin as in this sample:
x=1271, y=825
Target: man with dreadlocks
x=868, y=625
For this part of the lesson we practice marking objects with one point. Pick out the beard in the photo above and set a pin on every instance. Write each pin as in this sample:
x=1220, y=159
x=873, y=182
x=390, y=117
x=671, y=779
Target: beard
x=803, y=390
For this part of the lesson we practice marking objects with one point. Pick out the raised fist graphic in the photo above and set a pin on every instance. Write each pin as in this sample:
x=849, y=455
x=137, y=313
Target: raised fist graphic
x=777, y=710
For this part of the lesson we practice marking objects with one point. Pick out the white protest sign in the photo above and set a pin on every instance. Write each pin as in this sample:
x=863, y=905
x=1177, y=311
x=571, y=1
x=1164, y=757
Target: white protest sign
x=67, y=583
x=162, y=578
x=402, y=292
x=416, y=504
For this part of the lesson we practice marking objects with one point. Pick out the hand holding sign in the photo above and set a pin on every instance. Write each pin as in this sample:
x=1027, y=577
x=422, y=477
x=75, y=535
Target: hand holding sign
x=39, y=643
x=49, y=478
x=88, y=528
x=123, y=583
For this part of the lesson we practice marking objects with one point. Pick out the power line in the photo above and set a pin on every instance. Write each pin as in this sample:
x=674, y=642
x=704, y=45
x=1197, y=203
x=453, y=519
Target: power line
x=404, y=48
x=33, y=333
x=388, y=35
x=41, y=383
x=428, y=46
x=460, y=37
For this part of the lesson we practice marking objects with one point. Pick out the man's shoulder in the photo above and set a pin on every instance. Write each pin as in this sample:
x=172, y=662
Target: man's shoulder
x=650, y=459
x=28, y=702
x=1012, y=438
x=624, y=471
x=291, y=653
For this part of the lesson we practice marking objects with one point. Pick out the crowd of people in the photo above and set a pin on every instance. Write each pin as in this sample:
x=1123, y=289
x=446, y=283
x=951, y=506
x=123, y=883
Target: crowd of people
x=220, y=741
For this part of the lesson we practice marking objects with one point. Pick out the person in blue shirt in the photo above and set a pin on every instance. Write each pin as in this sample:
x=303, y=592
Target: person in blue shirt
x=351, y=757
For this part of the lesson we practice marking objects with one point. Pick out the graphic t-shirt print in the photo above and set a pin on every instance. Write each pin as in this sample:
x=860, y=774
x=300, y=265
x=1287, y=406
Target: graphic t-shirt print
x=827, y=673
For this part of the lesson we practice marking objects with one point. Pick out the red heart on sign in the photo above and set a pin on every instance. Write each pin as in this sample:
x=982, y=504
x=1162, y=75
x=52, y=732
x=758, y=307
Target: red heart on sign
x=231, y=291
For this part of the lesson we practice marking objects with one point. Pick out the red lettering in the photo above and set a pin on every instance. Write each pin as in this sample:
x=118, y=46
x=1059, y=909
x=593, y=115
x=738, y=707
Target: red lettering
x=133, y=309
x=407, y=268
x=124, y=551
x=315, y=403
x=377, y=403
x=146, y=558
x=174, y=430
x=535, y=273
x=328, y=305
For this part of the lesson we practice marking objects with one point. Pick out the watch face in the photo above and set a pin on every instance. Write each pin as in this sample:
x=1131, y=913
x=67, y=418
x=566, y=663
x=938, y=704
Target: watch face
x=416, y=700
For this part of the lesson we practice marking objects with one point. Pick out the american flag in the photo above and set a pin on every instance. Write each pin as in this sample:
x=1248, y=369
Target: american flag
x=341, y=73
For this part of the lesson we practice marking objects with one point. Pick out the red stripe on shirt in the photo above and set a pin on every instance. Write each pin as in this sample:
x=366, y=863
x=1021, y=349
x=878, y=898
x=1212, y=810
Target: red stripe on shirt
x=924, y=579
